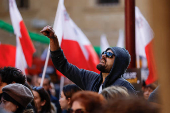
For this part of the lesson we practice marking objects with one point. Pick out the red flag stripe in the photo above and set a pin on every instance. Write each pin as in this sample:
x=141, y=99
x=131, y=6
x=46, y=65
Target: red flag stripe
x=26, y=44
x=152, y=77
x=7, y=55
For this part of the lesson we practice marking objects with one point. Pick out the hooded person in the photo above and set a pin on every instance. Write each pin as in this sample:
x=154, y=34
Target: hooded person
x=113, y=64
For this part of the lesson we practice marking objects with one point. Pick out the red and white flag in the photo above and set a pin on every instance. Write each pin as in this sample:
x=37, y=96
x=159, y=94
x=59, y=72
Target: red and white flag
x=75, y=45
x=144, y=42
x=24, y=45
x=7, y=55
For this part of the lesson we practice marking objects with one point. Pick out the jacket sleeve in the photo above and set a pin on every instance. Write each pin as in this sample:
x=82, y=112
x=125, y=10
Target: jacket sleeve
x=82, y=78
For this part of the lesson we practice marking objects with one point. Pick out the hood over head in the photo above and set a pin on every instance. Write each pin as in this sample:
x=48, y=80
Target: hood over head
x=121, y=62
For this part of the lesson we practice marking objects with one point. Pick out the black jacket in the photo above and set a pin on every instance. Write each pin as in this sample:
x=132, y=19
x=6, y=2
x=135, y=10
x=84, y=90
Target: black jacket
x=89, y=80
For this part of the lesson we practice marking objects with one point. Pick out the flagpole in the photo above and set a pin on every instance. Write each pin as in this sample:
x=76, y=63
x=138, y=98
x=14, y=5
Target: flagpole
x=130, y=30
x=138, y=61
x=61, y=84
x=45, y=66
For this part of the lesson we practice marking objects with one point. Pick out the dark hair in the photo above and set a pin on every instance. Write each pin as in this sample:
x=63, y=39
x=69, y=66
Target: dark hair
x=130, y=105
x=70, y=89
x=92, y=101
x=6, y=97
x=44, y=96
x=11, y=74
x=152, y=86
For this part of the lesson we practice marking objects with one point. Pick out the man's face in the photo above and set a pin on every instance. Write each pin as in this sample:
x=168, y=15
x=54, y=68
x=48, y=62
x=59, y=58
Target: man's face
x=106, y=63
x=46, y=84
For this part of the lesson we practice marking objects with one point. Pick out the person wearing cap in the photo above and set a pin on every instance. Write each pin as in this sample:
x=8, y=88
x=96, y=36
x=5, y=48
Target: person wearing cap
x=9, y=75
x=113, y=64
x=16, y=97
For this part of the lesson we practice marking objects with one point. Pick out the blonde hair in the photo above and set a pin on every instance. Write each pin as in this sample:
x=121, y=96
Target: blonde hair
x=113, y=92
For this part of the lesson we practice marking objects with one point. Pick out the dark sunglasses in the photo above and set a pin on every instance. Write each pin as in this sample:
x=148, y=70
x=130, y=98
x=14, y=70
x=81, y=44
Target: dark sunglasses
x=75, y=111
x=37, y=88
x=108, y=54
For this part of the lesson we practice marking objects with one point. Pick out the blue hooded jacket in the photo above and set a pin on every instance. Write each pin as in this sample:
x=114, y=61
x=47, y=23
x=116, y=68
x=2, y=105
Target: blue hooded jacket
x=89, y=80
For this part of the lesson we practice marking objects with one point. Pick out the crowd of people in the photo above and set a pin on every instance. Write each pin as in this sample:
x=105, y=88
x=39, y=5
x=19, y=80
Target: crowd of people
x=88, y=92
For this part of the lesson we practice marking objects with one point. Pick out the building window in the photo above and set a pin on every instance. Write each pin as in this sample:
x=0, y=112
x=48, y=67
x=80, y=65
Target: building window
x=108, y=1
x=22, y=3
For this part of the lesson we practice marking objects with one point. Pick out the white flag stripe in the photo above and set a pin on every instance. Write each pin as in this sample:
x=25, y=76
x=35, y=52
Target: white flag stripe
x=64, y=26
x=121, y=40
x=58, y=23
x=103, y=43
x=16, y=18
x=144, y=33
x=20, y=59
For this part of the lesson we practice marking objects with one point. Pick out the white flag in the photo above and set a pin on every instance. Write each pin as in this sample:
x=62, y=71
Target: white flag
x=144, y=40
x=121, y=40
x=103, y=43
x=75, y=45
x=24, y=45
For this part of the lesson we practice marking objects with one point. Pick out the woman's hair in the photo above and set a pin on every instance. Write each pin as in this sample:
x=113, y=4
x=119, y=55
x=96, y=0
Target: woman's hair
x=70, y=89
x=44, y=96
x=92, y=101
x=113, y=92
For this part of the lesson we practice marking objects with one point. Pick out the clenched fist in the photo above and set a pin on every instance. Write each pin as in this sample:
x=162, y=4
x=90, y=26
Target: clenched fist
x=48, y=31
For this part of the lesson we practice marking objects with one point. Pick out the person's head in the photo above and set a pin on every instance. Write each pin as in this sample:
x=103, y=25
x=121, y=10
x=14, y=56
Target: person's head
x=16, y=97
x=130, y=105
x=113, y=64
x=87, y=102
x=114, y=57
x=10, y=75
x=148, y=89
x=106, y=61
x=42, y=99
x=113, y=92
x=46, y=82
x=66, y=95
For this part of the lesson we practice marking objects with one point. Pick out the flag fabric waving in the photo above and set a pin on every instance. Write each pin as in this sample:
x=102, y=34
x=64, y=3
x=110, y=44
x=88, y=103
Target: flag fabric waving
x=24, y=45
x=121, y=39
x=103, y=43
x=7, y=55
x=75, y=45
x=144, y=42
